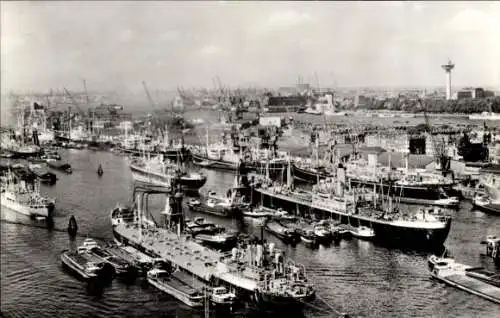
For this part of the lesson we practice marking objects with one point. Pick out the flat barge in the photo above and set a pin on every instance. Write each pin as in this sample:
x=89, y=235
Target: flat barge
x=467, y=278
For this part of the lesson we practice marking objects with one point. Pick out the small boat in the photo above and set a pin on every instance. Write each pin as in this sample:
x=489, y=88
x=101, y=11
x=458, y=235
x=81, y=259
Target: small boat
x=59, y=165
x=162, y=280
x=281, y=214
x=257, y=213
x=322, y=233
x=72, y=226
x=100, y=171
x=221, y=296
x=434, y=260
x=363, y=232
x=343, y=230
x=308, y=237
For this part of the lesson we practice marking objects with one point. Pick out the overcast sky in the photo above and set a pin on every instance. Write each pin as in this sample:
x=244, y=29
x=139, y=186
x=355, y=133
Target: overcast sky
x=118, y=44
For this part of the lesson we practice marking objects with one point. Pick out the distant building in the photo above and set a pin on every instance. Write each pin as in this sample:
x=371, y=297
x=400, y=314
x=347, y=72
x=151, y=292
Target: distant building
x=270, y=121
x=463, y=94
x=287, y=91
x=475, y=93
x=391, y=141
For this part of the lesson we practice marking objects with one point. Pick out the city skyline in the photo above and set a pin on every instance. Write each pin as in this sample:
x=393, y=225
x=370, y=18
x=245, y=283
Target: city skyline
x=116, y=45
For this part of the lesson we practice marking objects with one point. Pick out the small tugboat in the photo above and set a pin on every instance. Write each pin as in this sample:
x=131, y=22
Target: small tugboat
x=363, y=232
x=162, y=280
x=221, y=296
x=257, y=213
x=322, y=232
x=100, y=171
x=72, y=226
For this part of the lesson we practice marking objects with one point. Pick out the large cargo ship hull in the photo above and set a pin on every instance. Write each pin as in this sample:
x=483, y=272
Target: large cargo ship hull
x=156, y=179
x=309, y=176
x=385, y=232
x=204, y=161
x=170, y=154
x=421, y=194
x=219, y=211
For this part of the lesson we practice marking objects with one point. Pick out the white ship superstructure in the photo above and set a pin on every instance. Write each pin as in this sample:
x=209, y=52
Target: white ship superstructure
x=24, y=197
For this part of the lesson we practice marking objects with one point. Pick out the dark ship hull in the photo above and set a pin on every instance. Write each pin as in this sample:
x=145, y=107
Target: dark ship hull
x=219, y=211
x=205, y=162
x=157, y=179
x=307, y=175
x=422, y=194
x=385, y=232
x=172, y=154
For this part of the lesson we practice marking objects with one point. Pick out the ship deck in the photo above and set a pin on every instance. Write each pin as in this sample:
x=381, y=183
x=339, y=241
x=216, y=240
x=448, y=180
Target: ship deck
x=472, y=285
x=189, y=256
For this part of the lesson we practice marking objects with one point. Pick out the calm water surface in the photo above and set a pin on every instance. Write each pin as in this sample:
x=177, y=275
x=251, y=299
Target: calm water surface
x=356, y=277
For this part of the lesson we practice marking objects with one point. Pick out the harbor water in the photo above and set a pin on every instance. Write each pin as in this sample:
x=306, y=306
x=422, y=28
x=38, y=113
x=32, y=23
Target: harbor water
x=355, y=277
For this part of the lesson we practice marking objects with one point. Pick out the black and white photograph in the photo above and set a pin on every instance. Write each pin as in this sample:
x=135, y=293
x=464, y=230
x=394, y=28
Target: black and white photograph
x=215, y=159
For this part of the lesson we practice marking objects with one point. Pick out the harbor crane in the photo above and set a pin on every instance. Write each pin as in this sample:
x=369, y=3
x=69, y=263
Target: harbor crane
x=148, y=95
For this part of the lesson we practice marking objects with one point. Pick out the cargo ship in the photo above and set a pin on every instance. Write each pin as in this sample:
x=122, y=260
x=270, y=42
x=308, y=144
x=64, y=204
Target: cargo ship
x=22, y=195
x=280, y=283
x=333, y=199
x=412, y=186
x=158, y=172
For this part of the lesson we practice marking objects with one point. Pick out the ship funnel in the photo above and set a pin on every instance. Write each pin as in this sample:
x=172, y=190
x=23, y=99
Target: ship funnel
x=340, y=182
x=372, y=160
